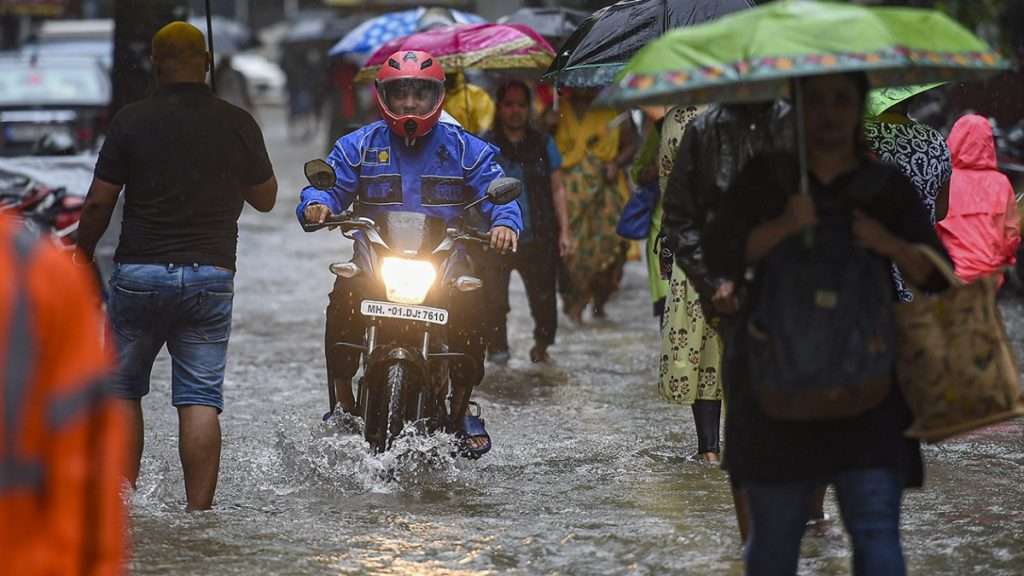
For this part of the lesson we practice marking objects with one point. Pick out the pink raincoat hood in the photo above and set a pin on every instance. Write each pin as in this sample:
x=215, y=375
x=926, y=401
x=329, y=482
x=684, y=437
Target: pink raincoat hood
x=971, y=145
x=981, y=231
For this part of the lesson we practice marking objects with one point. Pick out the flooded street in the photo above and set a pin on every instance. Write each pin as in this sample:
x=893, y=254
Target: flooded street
x=589, y=473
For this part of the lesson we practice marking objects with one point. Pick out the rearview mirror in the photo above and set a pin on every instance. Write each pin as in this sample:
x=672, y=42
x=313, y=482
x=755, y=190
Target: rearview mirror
x=504, y=190
x=320, y=174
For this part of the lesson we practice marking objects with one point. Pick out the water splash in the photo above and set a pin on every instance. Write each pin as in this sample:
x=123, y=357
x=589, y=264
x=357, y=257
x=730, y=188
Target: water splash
x=334, y=456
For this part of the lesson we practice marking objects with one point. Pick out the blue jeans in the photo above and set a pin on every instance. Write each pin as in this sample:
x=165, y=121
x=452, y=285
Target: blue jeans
x=186, y=307
x=869, y=501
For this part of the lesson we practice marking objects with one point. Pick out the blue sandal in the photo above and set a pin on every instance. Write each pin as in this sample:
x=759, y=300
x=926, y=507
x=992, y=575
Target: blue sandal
x=473, y=427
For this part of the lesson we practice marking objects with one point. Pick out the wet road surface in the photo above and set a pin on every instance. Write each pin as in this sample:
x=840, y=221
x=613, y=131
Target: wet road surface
x=589, y=473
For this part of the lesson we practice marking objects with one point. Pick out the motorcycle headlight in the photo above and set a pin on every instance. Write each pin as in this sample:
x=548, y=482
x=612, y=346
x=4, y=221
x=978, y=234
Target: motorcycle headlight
x=407, y=281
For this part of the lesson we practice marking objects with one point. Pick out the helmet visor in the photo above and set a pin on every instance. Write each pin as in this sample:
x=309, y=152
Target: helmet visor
x=410, y=96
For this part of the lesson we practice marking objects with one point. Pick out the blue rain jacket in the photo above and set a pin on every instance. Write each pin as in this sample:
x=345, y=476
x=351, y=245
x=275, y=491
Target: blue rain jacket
x=437, y=176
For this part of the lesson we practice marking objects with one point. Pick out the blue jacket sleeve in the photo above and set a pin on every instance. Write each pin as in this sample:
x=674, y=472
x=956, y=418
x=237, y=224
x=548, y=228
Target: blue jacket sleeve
x=345, y=158
x=482, y=170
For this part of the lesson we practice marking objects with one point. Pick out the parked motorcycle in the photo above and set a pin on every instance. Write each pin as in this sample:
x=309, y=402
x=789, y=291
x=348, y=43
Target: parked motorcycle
x=414, y=263
x=52, y=211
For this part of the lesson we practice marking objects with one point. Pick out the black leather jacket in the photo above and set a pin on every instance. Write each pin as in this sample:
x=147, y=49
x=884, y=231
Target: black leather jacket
x=716, y=146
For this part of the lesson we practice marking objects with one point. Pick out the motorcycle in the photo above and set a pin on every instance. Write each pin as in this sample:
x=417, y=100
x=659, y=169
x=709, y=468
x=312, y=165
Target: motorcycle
x=52, y=211
x=413, y=263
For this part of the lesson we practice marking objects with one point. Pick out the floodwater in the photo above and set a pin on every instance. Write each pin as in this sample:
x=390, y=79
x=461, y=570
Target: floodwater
x=589, y=473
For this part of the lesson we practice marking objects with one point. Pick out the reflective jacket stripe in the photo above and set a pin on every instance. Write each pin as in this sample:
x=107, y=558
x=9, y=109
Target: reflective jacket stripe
x=17, y=362
x=65, y=409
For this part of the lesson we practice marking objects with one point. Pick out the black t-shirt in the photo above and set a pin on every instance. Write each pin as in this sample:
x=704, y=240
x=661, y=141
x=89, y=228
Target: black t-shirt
x=184, y=157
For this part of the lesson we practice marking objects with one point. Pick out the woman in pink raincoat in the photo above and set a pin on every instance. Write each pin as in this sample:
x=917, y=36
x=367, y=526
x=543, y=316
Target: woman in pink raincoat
x=981, y=231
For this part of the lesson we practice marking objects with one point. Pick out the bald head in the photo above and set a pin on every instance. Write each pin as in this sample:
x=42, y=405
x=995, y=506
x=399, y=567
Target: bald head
x=179, y=53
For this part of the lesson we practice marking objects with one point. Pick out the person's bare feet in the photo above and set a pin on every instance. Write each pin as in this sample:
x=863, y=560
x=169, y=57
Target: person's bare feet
x=539, y=353
x=707, y=457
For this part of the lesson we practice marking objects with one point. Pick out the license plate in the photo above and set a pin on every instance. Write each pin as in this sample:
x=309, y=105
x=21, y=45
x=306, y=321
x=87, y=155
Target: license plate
x=404, y=312
x=30, y=132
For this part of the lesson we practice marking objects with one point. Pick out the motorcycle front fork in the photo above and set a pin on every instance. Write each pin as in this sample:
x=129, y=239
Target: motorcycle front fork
x=361, y=391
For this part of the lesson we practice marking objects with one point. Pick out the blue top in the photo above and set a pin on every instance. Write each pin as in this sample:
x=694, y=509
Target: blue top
x=554, y=156
x=439, y=174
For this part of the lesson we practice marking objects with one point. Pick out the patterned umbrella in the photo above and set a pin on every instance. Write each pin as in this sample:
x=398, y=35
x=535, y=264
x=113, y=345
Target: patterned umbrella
x=366, y=38
x=471, y=46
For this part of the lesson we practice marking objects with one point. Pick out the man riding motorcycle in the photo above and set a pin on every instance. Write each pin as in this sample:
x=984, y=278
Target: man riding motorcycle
x=410, y=162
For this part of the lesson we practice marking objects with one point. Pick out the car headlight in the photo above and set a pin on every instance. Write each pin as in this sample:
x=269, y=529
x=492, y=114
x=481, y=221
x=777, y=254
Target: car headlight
x=407, y=281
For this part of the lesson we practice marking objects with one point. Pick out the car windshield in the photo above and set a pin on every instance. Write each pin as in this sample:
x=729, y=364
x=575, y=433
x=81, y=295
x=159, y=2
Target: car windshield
x=49, y=83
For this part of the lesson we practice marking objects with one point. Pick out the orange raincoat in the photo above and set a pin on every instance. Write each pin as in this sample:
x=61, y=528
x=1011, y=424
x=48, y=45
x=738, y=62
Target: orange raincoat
x=62, y=451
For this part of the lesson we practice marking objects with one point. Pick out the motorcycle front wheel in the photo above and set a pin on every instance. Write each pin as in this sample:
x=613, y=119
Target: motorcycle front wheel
x=385, y=410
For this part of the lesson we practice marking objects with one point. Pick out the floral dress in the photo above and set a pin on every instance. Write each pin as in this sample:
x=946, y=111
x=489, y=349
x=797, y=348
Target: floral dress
x=691, y=349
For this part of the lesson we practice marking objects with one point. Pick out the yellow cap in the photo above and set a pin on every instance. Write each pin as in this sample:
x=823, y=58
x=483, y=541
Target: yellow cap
x=178, y=40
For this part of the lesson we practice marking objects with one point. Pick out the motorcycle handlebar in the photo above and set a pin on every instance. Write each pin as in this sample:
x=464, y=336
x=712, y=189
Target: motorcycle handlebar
x=344, y=221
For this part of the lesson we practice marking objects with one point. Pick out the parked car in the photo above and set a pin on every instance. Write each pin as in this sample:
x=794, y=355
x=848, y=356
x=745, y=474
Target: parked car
x=265, y=78
x=43, y=96
x=62, y=38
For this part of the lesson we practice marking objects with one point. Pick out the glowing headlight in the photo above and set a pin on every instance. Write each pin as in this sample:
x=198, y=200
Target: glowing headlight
x=407, y=281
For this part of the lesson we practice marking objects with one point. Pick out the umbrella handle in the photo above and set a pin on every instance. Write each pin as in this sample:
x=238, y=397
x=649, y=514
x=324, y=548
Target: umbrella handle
x=801, y=149
x=209, y=41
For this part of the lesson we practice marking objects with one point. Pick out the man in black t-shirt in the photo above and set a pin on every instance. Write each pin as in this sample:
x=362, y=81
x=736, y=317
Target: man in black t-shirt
x=187, y=161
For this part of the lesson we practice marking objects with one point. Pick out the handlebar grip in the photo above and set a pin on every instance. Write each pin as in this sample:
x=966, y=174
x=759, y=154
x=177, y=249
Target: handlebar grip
x=333, y=220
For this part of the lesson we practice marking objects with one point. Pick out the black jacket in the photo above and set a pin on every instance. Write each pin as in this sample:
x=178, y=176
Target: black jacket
x=716, y=146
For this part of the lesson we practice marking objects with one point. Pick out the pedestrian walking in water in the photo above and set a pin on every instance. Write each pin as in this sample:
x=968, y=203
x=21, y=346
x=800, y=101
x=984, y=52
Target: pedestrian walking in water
x=533, y=158
x=187, y=161
x=595, y=150
x=715, y=146
x=673, y=127
x=62, y=437
x=781, y=462
x=921, y=154
x=981, y=230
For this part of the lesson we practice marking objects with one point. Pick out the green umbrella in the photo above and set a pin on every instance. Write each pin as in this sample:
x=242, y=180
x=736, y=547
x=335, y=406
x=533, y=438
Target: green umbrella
x=881, y=99
x=757, y=55
x=754, y=55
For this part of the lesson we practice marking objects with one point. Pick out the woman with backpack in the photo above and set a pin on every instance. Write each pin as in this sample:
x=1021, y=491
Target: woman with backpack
x=780, y=447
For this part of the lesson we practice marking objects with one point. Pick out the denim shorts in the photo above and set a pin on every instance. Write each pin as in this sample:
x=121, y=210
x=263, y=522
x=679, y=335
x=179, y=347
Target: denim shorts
x=186, y=307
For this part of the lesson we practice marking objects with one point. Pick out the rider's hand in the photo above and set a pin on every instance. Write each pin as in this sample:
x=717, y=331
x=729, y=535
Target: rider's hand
x=504, y=239
x=316, y=213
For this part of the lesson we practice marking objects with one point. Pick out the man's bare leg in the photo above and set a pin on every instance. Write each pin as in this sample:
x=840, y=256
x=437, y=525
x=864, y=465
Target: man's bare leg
x=199, y=448
x=136, y=431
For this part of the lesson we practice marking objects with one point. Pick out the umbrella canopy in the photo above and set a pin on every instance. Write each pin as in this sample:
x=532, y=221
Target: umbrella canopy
x=366, y=38
x=882, y=99
x=319, y=28
x=754, y=55
x=229, y=36
x=551, y=23
x=602, y=44
x=471, y=46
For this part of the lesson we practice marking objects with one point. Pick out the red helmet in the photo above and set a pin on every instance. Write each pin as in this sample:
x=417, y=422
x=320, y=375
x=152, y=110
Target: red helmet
x=410, y=92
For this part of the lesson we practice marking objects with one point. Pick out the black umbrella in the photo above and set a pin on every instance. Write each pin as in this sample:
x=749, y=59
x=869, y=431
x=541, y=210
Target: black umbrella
x=606, y=40
x=551, y=23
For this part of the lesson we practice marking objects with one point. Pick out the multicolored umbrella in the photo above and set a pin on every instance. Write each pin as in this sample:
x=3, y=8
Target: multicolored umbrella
x=754, y=55
x=602, y=43
x=473, y=46
x=366, y=38
x=759, y=54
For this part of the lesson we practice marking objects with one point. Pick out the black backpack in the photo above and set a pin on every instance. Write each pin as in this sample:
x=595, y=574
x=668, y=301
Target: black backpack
x=822, y=331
